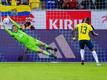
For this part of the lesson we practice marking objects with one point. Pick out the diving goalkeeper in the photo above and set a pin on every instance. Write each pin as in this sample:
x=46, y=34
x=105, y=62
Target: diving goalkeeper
x=28, y=41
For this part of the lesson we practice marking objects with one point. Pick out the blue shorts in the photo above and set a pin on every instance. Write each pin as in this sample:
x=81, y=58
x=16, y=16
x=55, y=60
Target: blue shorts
x=88, y=43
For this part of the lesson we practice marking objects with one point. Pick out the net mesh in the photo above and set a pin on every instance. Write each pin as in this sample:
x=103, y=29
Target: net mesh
x=43, y=35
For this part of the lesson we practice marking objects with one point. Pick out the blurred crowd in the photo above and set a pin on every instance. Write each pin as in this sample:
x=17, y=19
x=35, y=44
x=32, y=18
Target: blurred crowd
x=18, y=2
x=64, y=4
x=74, y=4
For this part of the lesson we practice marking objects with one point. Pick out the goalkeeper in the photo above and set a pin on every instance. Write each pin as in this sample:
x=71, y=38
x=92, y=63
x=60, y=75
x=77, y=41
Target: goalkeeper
x=29, y=42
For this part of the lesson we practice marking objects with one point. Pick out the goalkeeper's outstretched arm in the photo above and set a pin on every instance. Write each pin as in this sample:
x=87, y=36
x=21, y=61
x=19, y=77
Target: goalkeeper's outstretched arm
x=16, y=24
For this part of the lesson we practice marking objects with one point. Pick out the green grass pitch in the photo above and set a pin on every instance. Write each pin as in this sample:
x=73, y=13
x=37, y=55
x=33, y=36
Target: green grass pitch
x=52, y=71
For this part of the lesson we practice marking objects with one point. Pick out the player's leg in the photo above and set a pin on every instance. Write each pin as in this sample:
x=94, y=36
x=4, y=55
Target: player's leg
x=82, y=51
x=40, y=43
x=95, y=56
x=91, y=47
x=38, y=50
x=35, y=44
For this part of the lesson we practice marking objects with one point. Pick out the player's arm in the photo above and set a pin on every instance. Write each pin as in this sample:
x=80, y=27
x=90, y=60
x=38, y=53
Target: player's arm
x=92, y=27
x=93, y=32
x=73, y=33
x=6, y=29
x=16, y=24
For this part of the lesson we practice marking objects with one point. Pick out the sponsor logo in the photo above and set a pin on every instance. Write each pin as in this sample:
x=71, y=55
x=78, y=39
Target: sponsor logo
x=62, y=24
x=64, y=50
x=65, y=19
x=104, y=19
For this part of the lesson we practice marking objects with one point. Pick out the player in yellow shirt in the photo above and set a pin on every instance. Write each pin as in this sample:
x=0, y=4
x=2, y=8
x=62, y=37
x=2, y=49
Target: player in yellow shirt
x=84, y=29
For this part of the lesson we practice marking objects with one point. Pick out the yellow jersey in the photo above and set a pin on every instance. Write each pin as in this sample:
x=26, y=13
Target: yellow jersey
x=83, y=31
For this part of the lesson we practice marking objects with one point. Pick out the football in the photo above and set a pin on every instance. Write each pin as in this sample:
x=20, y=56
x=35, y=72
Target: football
x=6, y=20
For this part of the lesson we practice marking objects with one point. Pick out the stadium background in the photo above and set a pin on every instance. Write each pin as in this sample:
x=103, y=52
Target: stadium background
x=53, y=25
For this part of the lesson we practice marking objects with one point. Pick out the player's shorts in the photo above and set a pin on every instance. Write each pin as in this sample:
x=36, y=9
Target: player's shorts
x=33, y=45
x=88, y=43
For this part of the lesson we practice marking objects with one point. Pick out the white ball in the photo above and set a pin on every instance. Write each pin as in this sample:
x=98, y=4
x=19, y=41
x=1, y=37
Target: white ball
x=6, y=20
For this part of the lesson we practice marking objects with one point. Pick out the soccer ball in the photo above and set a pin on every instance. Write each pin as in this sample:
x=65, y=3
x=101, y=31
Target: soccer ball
x=6, y=20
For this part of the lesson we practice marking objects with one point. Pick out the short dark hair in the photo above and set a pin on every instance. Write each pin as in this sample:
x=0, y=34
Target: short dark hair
x=13, y=25
x=86, y=20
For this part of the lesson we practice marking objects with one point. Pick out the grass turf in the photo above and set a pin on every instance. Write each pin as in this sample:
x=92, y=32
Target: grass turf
x=52, y=71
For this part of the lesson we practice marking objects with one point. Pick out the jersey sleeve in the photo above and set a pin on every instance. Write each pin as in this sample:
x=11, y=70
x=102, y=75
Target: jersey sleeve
x=91, y=29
